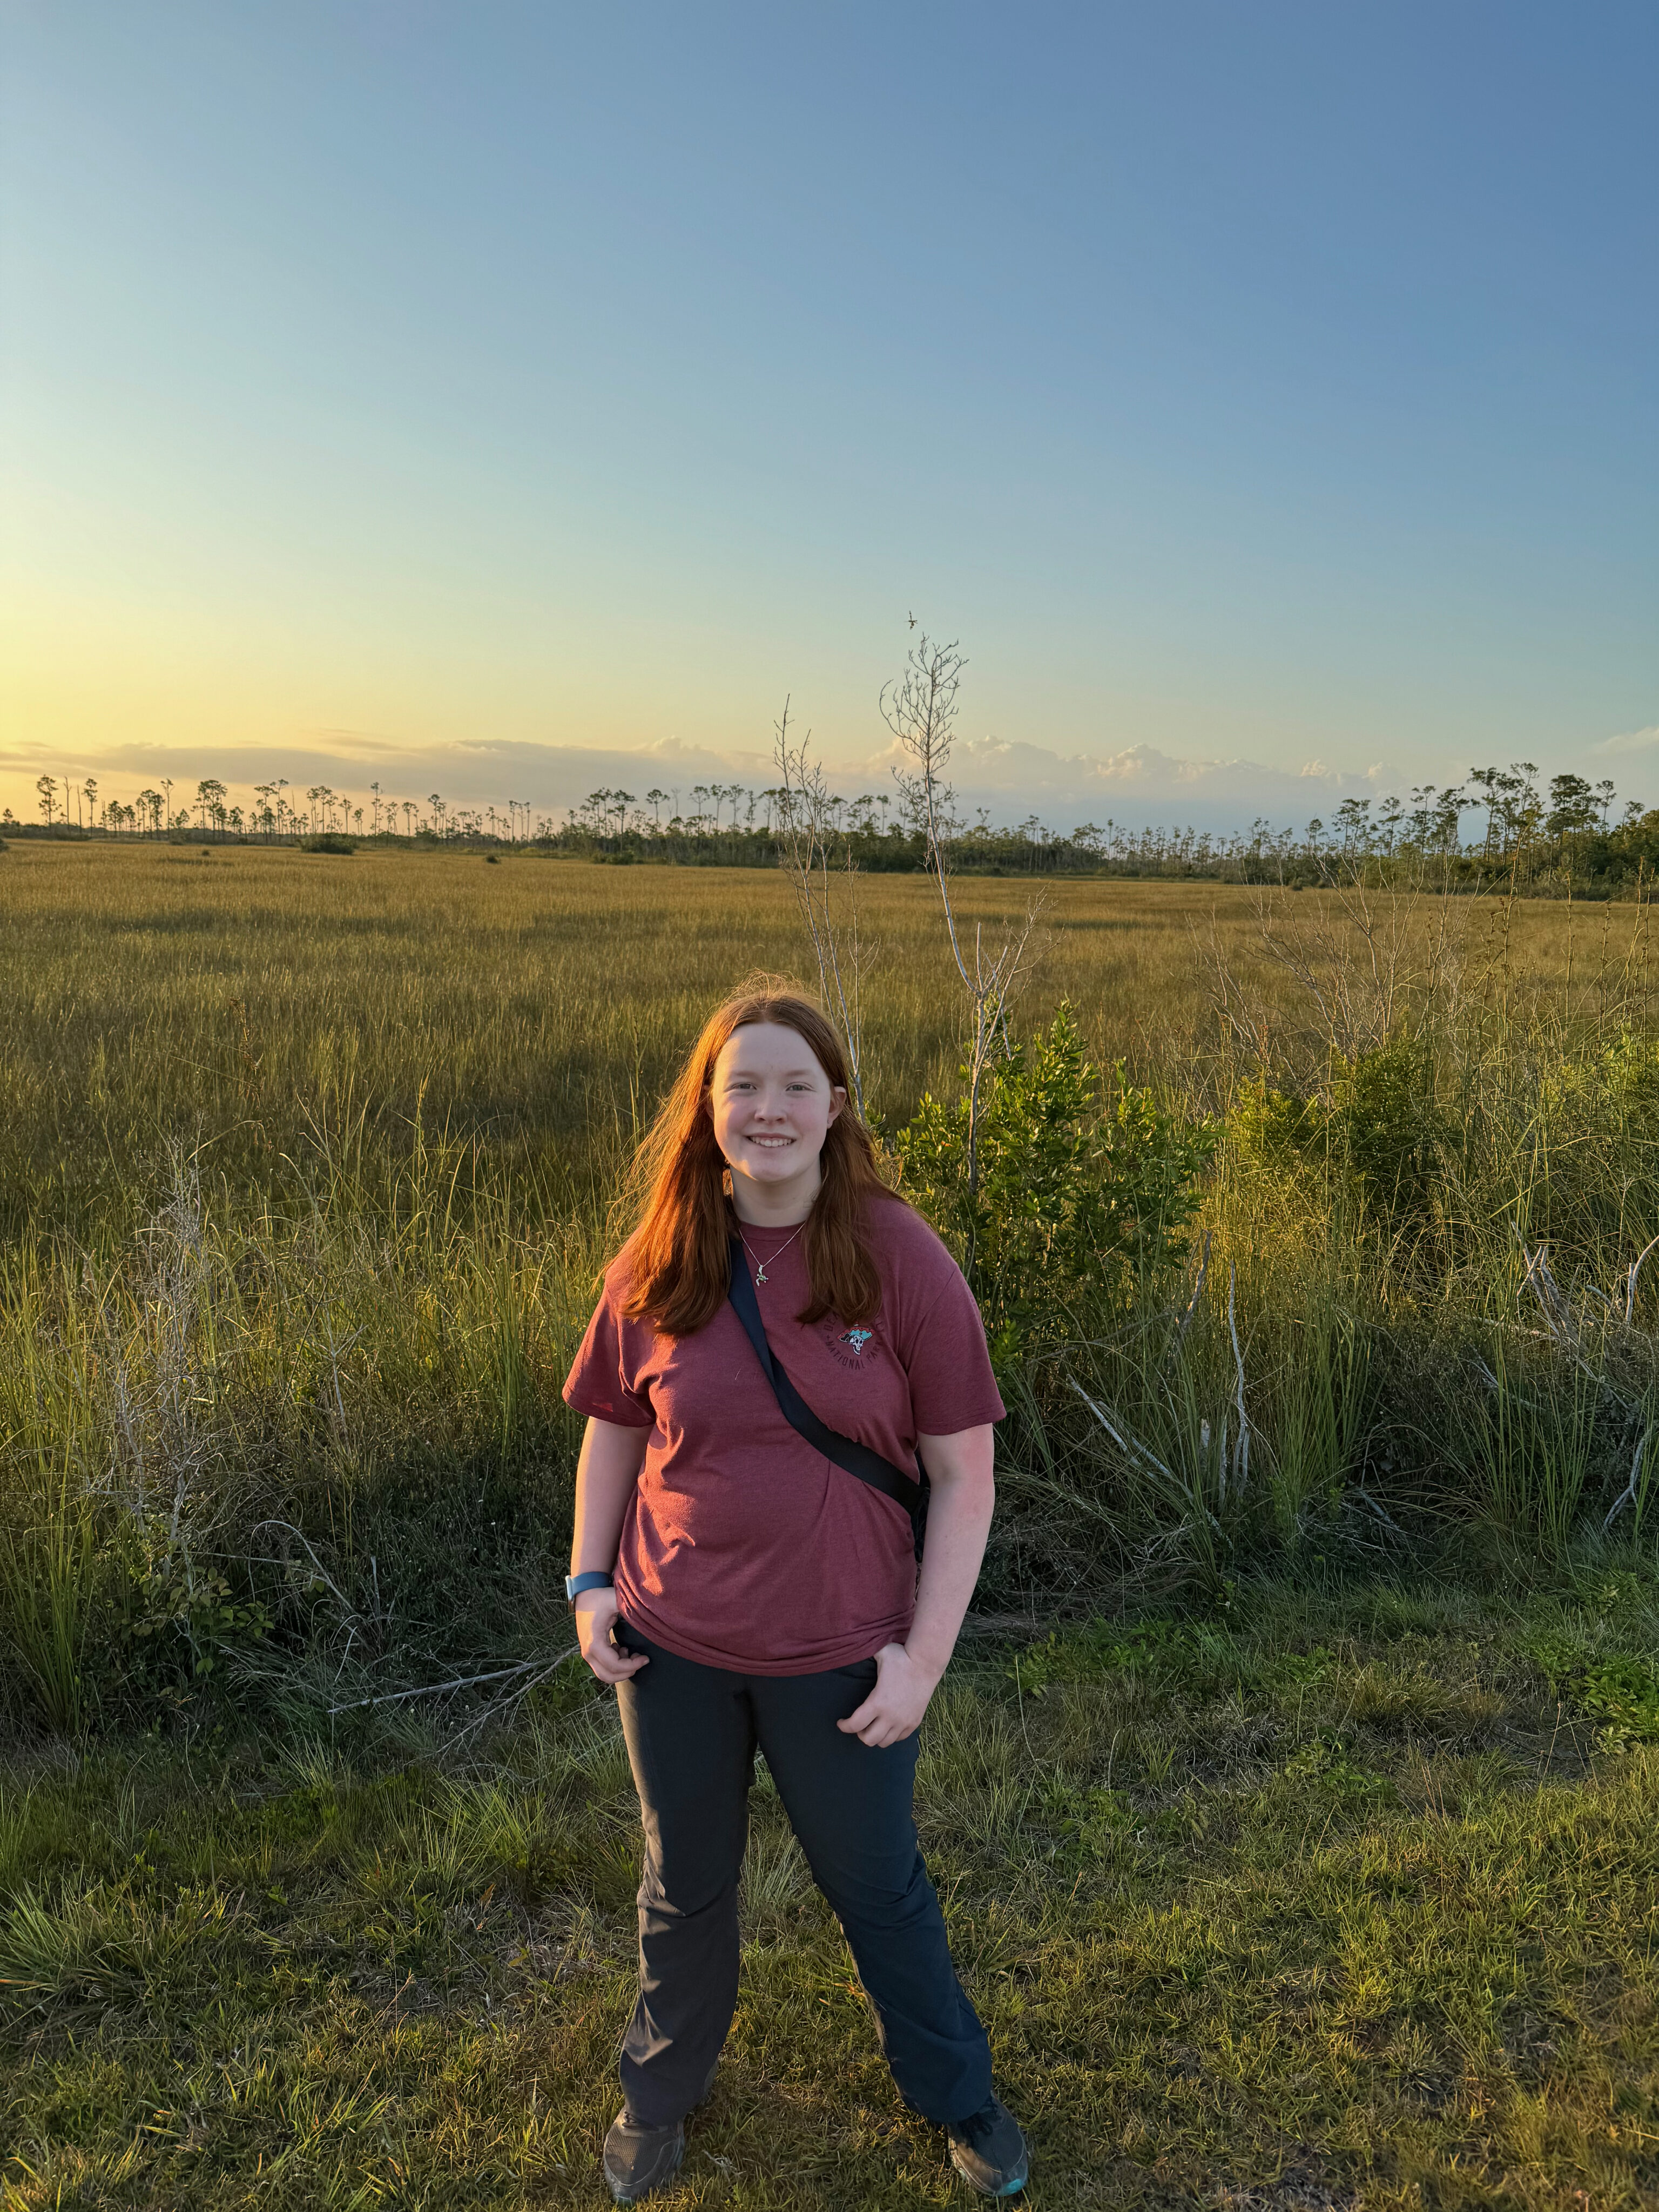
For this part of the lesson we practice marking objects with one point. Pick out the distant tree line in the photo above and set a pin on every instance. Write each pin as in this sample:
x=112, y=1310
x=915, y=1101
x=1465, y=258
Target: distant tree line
x=1500, y=825
x=284, y=812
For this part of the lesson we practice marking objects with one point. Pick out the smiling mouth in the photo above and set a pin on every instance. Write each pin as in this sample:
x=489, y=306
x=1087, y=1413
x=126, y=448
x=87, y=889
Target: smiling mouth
x=771, y=1143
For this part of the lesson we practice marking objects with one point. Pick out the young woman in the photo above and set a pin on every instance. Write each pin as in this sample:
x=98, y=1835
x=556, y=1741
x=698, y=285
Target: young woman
x=741, y=1588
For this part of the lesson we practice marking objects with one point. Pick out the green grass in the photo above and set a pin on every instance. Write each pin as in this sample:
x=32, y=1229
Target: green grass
x=306, y=1164
x=1334, y=1901
x=1301, y=1851
x=256, y=1003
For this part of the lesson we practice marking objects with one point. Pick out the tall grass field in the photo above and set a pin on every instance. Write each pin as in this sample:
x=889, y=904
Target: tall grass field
x=1294, y=1795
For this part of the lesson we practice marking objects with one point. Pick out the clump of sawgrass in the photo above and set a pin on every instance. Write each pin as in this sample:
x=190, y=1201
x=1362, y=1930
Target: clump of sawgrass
x=244, y=1441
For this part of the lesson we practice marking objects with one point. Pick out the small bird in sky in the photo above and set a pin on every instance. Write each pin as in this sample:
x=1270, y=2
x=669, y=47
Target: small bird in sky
x=912, y=622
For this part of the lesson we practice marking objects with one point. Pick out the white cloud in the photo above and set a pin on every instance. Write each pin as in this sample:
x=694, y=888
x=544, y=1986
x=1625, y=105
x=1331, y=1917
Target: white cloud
x=1138, y=785
x=1632, y=741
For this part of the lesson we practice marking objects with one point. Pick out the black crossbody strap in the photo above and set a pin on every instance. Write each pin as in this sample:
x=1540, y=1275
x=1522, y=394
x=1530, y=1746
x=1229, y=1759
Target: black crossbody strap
x=858, y=1459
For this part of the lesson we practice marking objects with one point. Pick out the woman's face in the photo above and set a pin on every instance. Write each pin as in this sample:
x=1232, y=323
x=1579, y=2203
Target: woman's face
x=771, y=1106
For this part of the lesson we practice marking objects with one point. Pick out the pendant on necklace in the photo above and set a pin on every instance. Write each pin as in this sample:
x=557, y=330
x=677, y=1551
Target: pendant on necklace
x=760, y=1277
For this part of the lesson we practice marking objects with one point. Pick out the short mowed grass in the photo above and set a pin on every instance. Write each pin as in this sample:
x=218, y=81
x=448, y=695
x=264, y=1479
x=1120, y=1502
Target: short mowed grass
x=1317, y=1899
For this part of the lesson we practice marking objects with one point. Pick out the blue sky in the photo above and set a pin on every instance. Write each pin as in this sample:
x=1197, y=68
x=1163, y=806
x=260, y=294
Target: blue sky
x=496, y=392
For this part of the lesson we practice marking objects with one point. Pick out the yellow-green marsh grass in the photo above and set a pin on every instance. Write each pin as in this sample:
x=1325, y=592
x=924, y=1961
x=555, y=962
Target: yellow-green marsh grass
x=1340, y=1895
x=306, y=1160
x=251, y=999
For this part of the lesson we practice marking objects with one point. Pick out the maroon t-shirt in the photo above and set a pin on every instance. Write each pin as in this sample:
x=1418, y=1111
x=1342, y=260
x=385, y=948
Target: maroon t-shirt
x=743, y=1546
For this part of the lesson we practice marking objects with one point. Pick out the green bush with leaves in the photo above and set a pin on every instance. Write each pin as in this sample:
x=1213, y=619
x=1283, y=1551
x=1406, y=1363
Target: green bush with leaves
x=1586, y=1155
x=1387, y=1129
x=1375, y=1125
x=1076, y=1187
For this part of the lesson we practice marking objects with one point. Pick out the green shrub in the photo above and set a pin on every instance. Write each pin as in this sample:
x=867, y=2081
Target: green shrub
x=1386, y=1130
x=1077, y=1191
x=327, y=840
x=1376, y=1129
x=1584, y=1148
x=1273, y=1127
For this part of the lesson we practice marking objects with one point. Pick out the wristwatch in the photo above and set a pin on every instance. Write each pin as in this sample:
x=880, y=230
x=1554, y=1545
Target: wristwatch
x=595, y=1578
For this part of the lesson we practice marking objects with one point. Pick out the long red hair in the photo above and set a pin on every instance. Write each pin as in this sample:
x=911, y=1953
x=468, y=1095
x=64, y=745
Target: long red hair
x=679, y=1254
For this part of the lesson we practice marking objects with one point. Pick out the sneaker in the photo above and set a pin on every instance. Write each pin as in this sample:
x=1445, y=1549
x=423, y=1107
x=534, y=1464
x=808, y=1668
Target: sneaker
x=988, y=2150
x=639, y=2159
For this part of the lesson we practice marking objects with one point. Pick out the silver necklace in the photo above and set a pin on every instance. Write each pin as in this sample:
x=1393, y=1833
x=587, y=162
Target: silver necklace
x=760, y=1272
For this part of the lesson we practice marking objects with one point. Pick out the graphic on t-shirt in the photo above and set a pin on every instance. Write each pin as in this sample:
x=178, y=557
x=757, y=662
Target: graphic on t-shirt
x=846, y=1345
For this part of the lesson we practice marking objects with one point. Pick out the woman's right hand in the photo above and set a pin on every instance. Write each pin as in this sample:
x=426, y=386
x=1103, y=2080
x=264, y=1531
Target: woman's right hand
x=596, y=1616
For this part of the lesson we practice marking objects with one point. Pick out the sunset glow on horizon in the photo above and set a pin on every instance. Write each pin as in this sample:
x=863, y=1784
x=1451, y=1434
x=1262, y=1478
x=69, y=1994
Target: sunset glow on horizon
x=475, y=400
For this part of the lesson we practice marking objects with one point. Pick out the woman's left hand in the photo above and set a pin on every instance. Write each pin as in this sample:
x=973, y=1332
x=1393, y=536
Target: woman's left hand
x=894, y=1708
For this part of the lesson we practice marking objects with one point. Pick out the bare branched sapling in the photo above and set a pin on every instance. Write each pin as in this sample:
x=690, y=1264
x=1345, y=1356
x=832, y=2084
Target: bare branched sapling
x=920, y=708
x=826, y=890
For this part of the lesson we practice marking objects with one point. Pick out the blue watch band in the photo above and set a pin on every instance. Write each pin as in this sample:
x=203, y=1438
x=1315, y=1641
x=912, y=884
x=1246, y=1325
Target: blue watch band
x=595, y=1578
